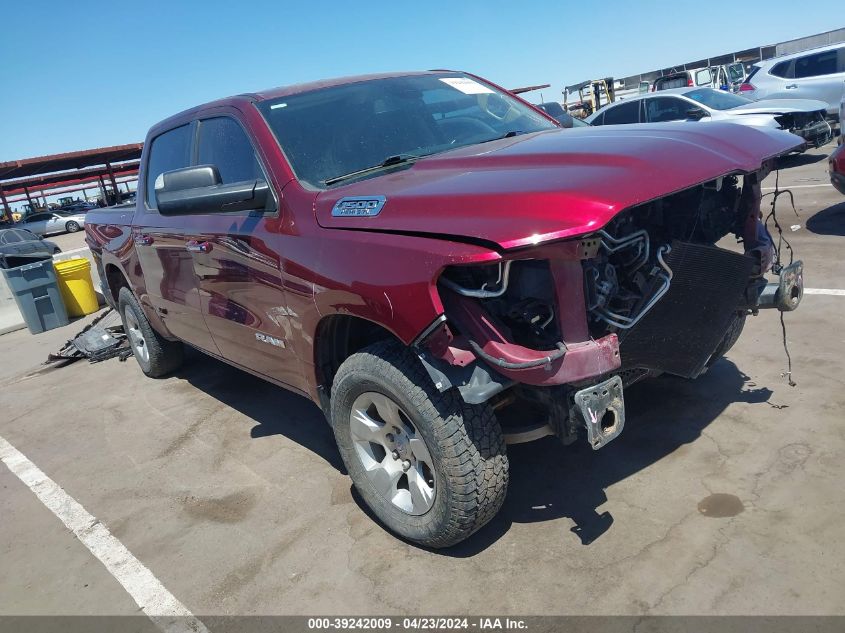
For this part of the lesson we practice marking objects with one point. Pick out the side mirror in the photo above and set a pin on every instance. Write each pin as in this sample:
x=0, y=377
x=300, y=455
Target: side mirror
x=198, y=190
x=696, y=114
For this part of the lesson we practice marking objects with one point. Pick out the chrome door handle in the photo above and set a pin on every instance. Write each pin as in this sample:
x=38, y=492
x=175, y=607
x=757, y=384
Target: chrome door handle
x=791, y=86
x=194, y=246
x=143, y=240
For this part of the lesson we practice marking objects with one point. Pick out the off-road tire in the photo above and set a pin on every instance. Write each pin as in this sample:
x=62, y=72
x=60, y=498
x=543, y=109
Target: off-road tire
x=72, y=226
x=164, y=356
x=464, y=441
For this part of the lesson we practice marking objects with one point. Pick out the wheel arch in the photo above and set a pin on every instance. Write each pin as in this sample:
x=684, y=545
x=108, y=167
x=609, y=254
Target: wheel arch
x=115, y=280
x=336, y=338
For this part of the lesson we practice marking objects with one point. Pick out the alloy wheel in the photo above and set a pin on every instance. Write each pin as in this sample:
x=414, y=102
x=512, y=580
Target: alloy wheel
x=393, y=453
x=136, y=336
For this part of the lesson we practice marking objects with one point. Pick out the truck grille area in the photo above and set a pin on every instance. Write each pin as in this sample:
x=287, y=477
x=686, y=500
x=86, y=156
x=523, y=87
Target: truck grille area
x=680, y=332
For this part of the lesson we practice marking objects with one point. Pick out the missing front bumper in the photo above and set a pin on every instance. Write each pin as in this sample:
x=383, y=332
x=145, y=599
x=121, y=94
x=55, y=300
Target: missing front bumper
x=602, y=409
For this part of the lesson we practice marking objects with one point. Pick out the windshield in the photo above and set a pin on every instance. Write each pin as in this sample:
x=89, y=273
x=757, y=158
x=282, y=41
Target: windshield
x=336, y=131
x=717, y=99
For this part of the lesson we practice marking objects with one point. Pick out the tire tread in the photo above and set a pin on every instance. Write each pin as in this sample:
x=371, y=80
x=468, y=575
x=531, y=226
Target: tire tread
x=165, y=356
x=469, y=437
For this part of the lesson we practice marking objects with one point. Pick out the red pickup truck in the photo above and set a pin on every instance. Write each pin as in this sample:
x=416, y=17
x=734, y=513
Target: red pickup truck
x=441, y=268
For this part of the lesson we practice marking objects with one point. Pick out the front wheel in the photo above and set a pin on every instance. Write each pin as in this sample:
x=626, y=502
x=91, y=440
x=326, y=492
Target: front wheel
x=155, y=354
x=432, y=468
x=72, y=226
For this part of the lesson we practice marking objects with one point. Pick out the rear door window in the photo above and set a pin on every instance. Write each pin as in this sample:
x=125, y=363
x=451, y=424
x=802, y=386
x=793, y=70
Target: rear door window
x=169, y=151
x=782, y=70
x=9, y=237
x=661, y=109
x=24, y=236
x=626, y=112
x=223, y=143
x=825, y=63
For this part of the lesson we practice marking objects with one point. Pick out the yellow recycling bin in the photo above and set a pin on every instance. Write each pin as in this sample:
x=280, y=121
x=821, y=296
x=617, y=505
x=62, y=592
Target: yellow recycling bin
x=75, y=284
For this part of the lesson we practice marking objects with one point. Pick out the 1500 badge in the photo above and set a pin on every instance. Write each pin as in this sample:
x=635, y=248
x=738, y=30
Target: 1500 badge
x=358, y=206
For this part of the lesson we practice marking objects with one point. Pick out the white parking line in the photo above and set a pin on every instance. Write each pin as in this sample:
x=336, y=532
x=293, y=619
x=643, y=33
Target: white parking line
x=834, y=292
x=782, y=187
x=162, y=607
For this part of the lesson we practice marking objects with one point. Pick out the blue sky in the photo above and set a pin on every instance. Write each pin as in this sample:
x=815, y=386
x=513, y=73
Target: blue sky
x=77, y=75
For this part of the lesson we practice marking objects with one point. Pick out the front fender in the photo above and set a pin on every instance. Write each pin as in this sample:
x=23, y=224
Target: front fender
x=389, y=279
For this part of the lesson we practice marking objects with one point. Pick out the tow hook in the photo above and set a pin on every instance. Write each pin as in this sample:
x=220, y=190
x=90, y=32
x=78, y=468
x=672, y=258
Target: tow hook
x=602, y=409
x=786, y=293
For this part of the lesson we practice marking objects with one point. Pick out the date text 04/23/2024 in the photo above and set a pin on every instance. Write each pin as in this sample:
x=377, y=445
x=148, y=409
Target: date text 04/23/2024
x=417, y=623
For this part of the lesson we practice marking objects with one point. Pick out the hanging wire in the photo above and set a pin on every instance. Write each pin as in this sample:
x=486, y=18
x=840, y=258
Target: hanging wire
x=777, y=267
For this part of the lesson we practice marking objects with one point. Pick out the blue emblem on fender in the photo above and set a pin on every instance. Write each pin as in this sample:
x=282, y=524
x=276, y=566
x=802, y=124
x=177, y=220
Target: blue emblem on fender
x=358, y=206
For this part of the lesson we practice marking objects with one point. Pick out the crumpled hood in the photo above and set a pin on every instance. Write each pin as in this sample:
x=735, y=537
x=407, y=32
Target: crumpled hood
x=554, y=184
x=779, y=106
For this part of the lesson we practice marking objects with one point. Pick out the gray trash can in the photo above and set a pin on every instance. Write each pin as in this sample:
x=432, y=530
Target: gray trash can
x=36, y=292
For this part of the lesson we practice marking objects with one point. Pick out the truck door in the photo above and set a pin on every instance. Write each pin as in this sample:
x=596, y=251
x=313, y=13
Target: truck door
x=237, y=262
x=162, y=247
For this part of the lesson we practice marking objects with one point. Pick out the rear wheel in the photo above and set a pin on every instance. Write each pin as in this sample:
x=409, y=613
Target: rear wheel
x=72, y=226
x=155, y=354
x=432, y=468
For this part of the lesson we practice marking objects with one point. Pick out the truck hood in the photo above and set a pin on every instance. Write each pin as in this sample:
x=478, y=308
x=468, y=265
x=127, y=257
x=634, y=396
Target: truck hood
x=778, y=106
x=554, y=184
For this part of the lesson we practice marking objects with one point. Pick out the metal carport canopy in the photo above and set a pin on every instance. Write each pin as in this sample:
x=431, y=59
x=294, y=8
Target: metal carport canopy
x=23, y=171
x=69, y=160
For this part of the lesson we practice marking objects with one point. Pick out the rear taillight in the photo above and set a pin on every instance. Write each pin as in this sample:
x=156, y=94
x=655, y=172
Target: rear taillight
x=689, y=82
x=746, y=87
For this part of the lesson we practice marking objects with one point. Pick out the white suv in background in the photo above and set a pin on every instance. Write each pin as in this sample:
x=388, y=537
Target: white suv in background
x=815, y=74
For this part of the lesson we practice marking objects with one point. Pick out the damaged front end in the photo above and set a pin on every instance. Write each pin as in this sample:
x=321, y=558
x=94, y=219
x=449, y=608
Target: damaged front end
x=561, y=328
x=811, y=126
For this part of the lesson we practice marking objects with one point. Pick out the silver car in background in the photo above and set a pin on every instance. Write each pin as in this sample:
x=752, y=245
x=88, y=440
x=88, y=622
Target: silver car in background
x=815, y=74
x=802, y=117
x=49, y=222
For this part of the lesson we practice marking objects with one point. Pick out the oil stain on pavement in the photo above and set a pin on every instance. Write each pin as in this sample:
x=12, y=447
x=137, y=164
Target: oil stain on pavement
x=720, y=505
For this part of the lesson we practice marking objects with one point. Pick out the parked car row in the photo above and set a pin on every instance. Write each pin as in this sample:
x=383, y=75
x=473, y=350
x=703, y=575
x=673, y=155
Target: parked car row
x=802, y=117
x=796, y=92
x=720, y=77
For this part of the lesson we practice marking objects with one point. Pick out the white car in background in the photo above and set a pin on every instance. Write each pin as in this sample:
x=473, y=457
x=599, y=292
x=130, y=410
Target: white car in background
x=49, y=222
x=802, y=117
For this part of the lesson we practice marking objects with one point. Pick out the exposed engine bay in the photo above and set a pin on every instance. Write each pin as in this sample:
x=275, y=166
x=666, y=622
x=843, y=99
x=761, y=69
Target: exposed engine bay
x=563, y=327
x=811, y=126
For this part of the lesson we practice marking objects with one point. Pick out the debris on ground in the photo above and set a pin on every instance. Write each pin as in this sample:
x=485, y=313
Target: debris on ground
x=102, y=339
